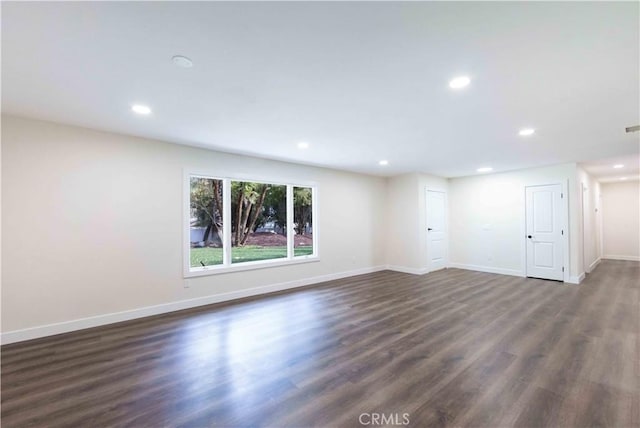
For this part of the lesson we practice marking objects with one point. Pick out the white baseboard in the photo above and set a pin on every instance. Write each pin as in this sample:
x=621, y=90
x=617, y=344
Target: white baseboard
x=576, y=279
x=404, y=269
x=595, y=264
x=95, y=321
x=488, y=269
x=617, y=257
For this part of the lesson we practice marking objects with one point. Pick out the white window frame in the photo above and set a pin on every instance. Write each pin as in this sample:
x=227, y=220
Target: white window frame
x=227, y=265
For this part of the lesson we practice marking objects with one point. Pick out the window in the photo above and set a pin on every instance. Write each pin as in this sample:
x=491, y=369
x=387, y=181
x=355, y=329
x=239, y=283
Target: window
x=303, y=221
x=206, y=224
x=241, y=224
x=258, y=221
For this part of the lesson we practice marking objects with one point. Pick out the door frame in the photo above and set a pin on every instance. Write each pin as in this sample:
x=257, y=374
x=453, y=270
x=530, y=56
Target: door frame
x=428, y=189
x=583, y=189
x=564, y=222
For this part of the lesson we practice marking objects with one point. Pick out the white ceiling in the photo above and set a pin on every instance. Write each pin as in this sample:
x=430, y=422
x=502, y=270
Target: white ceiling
x=603, y=170
x=360, y=82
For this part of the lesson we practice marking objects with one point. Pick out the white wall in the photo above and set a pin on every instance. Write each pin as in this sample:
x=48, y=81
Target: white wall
x=621, y=220
x=92, y=223
x=487, y=219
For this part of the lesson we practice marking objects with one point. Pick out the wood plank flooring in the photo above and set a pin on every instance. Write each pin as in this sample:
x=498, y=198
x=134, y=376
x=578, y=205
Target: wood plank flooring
x=451, y=348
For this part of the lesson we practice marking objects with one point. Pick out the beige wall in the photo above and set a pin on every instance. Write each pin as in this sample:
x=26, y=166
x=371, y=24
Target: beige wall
x=621, y=220
x=92, y=223
x=407, y=220
x=487, y=218
x=403, y=251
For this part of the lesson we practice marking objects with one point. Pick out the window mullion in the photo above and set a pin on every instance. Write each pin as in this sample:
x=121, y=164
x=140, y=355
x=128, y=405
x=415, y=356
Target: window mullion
x=226, y=223
x=314, y=219
x=290, y=229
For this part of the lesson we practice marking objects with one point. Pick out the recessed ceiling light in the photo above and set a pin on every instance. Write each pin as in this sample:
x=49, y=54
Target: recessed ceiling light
x=459, y=82
x=485, y=169
x=182, y=61
x=303, y=145
x=140, y=109
x=623, y=178
x=383, y=162
x=526, y=132
x=618, y=166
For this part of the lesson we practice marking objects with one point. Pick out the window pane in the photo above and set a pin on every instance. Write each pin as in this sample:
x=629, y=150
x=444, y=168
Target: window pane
x=206, y=222
x=302, y=221
x=258, y=221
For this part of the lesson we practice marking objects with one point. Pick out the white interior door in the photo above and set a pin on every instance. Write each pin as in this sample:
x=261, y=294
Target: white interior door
x=544, y=232
x=436, y=229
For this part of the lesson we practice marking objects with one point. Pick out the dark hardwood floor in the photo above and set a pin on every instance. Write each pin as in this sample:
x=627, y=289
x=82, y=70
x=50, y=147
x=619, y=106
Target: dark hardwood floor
x=453, y=348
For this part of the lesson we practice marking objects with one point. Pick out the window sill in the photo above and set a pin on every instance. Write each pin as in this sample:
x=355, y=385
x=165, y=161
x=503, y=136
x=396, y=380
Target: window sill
x=218, y=269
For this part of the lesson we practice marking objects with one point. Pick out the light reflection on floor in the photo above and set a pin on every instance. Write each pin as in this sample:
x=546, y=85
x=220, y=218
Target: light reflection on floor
x=238, y=350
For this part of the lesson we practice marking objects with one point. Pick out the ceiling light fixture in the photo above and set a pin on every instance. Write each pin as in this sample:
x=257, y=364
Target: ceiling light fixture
x=182, y=61
x=485, y=169
x=383, y=163
x=140, y=109
x=618, y=166
x=526, y=132
x=459, y=82
x=303, y=145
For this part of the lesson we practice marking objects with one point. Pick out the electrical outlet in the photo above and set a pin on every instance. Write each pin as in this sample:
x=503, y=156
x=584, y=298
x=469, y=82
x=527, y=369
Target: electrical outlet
x=187, y=283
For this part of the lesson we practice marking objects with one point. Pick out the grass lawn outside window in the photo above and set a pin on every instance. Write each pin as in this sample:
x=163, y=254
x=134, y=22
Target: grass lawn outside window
x=249, y=253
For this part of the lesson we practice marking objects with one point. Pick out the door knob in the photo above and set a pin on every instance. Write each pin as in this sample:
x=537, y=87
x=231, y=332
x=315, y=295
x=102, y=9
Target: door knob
x=529, y=236
x=429, y=229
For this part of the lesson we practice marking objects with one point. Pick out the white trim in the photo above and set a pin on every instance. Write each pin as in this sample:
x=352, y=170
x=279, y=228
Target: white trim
x=593, y=265
x=600, y=224
x=583, y=188
x=566, y=256
x=619, y=257
x=221, y=173
x=226, y=226
x=488, y=269
x=99, y=320
x=315, y=223
x=186, y=221
x=289, y=215
x=239, y=267
x=405, y=269
x=576, y=279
